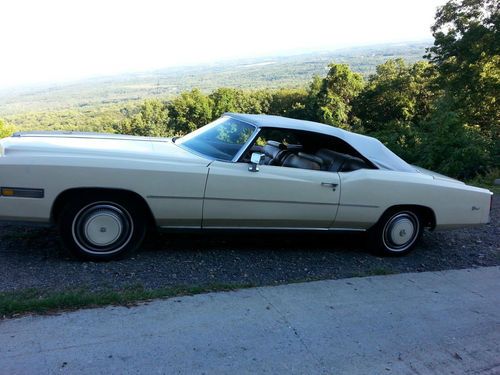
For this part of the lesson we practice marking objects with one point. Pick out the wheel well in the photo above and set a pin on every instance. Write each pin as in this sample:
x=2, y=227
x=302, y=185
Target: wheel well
x=425, y=213
x=79, y=193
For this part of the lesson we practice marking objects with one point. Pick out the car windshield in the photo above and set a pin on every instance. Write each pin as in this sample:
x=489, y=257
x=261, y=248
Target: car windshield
x=221, y=139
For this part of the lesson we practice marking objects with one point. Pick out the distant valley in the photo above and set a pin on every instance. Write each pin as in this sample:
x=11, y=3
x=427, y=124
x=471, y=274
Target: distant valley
x=104, y=93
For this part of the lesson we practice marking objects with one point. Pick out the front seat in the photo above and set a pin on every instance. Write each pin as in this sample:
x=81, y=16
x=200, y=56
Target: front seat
x=275, y=152
x=332, y=160
x=302, y=161
x=339, y=162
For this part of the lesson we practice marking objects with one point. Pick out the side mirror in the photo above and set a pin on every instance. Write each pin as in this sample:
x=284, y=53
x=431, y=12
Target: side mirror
x=255, y=160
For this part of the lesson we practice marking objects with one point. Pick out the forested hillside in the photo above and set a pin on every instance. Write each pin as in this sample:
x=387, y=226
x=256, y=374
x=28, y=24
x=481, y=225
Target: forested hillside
x=270, y=72
x=441, y=113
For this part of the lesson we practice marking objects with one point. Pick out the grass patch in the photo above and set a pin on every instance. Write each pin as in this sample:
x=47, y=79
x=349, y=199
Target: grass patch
x=380, y=272
x=374, y=272
x=40, y=302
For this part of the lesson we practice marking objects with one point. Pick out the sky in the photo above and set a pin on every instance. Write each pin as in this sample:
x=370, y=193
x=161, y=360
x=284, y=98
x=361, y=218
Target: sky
x=56, y=41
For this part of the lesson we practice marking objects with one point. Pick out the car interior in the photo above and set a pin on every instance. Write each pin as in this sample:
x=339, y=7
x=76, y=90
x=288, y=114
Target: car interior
x=308, y=151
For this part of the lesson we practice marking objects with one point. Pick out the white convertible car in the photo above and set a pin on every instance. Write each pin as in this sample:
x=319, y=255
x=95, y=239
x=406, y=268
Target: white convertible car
x=240, y=172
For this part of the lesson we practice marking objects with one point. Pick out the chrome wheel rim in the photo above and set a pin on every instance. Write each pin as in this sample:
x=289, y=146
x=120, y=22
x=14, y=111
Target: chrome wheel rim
x=401, y=231
x=102, y=228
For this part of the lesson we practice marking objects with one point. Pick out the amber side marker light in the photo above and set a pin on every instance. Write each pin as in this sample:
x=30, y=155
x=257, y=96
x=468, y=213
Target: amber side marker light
x=21, y=192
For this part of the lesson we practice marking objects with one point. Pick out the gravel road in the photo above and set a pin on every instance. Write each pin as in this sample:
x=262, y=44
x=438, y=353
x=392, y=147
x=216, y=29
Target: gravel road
x=33, y=258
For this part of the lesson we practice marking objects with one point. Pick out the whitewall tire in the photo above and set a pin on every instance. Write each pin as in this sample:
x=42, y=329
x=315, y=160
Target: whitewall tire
x=396, y=233
x=101, y=228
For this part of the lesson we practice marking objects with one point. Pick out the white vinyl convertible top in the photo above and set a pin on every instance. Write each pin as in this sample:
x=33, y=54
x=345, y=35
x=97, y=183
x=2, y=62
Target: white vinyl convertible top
x=369, y=147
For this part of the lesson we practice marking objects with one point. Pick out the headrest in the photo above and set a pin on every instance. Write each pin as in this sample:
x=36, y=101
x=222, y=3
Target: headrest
x=295, y=161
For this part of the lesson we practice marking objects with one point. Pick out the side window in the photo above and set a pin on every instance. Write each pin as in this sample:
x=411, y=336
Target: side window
x=336, y=155
x=282, y=136
x=307, y=150
x=270, y=139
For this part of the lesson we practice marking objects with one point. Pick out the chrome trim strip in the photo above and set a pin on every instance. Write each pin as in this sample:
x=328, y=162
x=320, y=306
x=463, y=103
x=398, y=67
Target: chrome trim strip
x=270, y=201
x=170, y=197
x=180, y=227
x=263, y=201
x=90, y=135
x=348, y=229
x=358, y=205
x=270, y=228
x=240, y=200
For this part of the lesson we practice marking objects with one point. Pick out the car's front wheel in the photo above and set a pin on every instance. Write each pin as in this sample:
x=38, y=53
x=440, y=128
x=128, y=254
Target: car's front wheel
x=101, y=229
x=396, y=233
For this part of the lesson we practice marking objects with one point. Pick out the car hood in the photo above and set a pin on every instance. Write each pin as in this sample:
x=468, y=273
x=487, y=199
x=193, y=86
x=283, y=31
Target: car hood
x=96, y=145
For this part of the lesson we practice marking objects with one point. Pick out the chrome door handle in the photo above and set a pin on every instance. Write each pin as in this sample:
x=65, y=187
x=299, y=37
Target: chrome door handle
x=330, y=184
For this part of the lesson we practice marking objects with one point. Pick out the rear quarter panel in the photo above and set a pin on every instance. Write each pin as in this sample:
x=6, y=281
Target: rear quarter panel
x=367, y=194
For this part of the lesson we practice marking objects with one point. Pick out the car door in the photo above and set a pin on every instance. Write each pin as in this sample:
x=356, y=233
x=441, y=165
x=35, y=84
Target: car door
x=272, y=197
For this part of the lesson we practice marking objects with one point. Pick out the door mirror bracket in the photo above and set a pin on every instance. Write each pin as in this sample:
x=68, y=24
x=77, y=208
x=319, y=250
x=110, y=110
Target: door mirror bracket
x=255, y=160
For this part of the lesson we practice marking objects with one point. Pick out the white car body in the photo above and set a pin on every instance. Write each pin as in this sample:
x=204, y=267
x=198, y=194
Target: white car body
x=186, y=190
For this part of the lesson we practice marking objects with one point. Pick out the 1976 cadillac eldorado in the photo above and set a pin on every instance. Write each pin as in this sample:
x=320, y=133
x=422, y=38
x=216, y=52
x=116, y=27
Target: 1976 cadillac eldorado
x=240, y=172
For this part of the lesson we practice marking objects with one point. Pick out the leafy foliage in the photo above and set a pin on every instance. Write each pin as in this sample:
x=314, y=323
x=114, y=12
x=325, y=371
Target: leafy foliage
x=288, y=103
x=234, y=100
x=151, y=120
x=452, y=147
x=466, y=53
x=97, y=119
x=396, y=93
x=189, y=111
x=334, y=99
x=5, y=129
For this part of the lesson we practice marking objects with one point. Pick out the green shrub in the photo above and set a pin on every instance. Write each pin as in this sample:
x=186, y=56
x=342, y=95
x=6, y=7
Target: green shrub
x=6, y=130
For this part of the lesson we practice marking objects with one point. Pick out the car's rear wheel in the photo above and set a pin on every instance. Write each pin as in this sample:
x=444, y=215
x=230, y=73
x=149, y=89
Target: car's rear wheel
x=101, y=229
x=397, y=232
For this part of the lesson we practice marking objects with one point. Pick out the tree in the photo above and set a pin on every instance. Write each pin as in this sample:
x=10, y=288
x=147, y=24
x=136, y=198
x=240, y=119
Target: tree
x=5, y=129
x=451, y=147
x=190, y=111
x=235, y=100
x=151, y=120
x=338, y=90
x=466, y=52
x=397, y=92
x=311, y=103
x=288, y=103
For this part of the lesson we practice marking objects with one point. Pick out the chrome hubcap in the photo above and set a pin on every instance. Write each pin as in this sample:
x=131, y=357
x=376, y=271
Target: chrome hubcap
x=102, y=228
x=401, y=231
